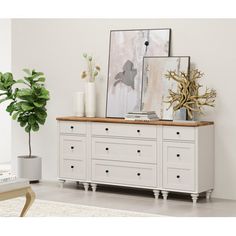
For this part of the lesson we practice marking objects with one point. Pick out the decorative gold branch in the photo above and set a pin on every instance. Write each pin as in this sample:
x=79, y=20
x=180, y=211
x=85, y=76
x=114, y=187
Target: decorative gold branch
x=188, y=95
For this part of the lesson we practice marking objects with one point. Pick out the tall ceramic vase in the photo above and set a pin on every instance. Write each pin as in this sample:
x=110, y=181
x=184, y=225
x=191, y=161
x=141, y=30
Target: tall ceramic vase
x=90, y=101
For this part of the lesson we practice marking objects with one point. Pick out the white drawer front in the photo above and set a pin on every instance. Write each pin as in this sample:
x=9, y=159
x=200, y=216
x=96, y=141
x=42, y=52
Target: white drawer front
x=124, y=130
x=179, y=179
x=124, y=150
x=179, y=133
x=72, y=127
x=124, y=173
x=73, y=148
x=178, y=155
x=72, y=169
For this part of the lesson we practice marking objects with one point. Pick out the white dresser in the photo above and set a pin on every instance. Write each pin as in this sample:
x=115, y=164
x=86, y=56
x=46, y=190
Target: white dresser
x=163, y=155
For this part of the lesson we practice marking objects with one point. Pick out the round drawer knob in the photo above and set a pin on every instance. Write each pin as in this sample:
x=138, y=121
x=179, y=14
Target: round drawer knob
x=72, y=167
x=138, y=131
x=107, y=171
x=178, y=155
x=138, y=174
x=72, y=147
x=177, y=176
x=106, y=129
x=72, y=127
x=177, y=133
x=138, y=151
x=107, y=148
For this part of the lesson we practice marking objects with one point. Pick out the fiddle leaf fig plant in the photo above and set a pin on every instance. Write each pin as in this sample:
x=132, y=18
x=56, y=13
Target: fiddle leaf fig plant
x=27, y=102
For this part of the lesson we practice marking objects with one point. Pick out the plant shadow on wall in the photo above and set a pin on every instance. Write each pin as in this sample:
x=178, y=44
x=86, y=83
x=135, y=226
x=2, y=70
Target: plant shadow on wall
x=27, y=105
x=188, y=96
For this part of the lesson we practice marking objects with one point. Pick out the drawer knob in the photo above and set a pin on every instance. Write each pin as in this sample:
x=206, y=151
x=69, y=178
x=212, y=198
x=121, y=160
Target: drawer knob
x=138, y=151
x=72, y=127
x=177, y=176
x=107, y=148
x=72, y=167
x=106, y=129
x=107, y=171
x=178, y=155
x=177, y=132
x=72, y=147
x=138, y=131
x=138, y=174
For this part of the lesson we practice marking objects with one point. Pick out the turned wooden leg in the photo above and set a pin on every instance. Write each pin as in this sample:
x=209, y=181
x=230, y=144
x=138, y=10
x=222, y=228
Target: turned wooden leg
x=208, y=194
x=194, y=197
x=86, y=186
x=156, y=193
x=164, y=194
x=30, y=197
x=61, y=183
x=94, y=187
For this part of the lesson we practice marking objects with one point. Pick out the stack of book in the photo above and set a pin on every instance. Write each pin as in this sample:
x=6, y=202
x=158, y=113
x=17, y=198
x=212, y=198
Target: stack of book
x=142, y=115
x=6, y=176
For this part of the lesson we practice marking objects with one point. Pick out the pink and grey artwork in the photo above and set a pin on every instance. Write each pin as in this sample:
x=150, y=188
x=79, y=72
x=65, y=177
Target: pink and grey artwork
x=155, y=86
x=127, y=49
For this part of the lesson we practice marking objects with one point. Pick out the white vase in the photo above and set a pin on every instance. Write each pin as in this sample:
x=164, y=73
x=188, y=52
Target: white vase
x=90, y=100
x=79, y=104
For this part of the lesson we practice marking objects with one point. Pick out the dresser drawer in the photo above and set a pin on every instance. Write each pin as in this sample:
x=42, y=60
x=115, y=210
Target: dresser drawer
x=73, y=148
x=124, y=173
x=72, y=169
x=124, y=130
x=178, y=133
x=178, y=155
x=124, y=150
x=72, y=127
x=178, y=179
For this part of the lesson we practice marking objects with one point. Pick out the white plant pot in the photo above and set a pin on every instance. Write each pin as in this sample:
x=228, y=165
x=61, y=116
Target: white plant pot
x=79, y=104
x=29, y=168
x=90, y=101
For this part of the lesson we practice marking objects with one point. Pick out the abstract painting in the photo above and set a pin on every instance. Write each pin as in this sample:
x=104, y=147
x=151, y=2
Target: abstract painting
x=155, y=86
x=127, y=49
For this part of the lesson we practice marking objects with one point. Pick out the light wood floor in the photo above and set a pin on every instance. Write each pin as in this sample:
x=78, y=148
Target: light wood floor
x=134, y=200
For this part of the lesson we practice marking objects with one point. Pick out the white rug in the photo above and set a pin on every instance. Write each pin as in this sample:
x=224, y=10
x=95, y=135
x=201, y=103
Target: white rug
x=42, y=208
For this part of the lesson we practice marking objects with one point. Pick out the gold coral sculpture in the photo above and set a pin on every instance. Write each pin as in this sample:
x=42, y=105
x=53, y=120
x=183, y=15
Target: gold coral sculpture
x=188, y=95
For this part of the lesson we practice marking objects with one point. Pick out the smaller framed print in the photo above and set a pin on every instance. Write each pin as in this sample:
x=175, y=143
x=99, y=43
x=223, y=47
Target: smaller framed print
x=155, y=85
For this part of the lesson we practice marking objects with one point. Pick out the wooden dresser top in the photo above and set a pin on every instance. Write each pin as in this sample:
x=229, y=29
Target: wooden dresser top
x=123, y=121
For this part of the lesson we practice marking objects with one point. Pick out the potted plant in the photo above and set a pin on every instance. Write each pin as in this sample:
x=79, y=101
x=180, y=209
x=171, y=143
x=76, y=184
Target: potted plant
x=91, y=73
x=27, y=105
x=188, y=97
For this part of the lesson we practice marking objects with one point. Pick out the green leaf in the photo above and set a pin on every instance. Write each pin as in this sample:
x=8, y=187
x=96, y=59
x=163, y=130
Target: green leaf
x=32, y=120
x=27, y=71
x=26, y=107
x=24, y=92
x=4, y=99
x=37, y=104
x=14, y=116
x=35, y=127
x=41, y=121
x=22, y=124
x=28, y=128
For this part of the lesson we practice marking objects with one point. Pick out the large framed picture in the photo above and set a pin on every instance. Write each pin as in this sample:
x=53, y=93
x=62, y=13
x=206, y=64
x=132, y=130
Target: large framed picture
x=155, y=85
x=126, y=52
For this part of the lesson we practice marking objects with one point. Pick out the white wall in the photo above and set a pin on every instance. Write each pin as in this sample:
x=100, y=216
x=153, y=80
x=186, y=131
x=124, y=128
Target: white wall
x=5, y=66
x=55, y=47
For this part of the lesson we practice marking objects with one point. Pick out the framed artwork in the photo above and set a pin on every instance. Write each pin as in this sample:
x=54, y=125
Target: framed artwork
x=126, y=52
x=155, y=86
